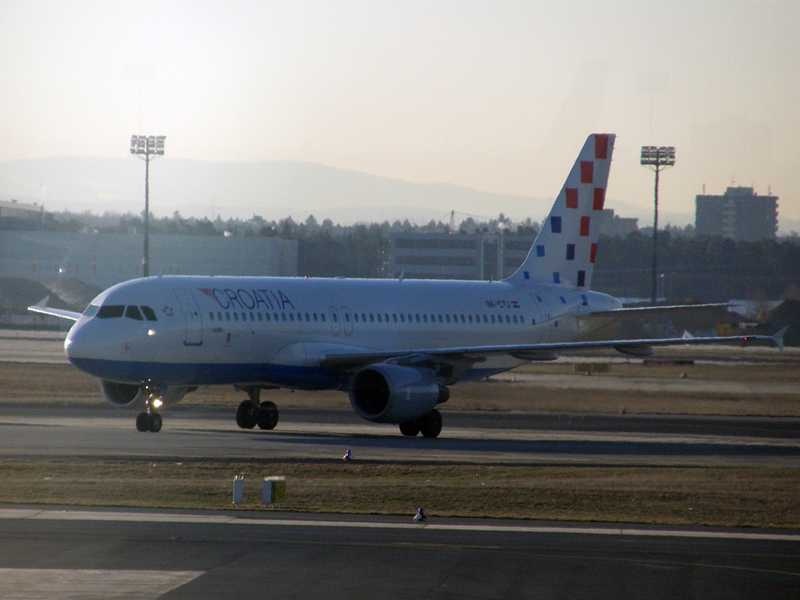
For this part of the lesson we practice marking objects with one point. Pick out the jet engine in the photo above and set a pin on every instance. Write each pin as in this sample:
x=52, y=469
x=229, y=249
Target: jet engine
x=131, y=396
x=387, y=393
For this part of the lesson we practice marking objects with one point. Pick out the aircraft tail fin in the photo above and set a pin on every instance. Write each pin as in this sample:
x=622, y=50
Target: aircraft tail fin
x=565, y=248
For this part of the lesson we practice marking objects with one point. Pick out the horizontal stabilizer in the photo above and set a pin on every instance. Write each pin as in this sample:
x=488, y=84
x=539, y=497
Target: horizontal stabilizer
x=42, y=308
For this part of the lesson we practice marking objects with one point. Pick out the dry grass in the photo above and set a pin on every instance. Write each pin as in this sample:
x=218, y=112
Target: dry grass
x=754, y=497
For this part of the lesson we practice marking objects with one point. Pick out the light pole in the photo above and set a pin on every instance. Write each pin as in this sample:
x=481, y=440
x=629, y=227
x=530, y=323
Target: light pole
x=658, y=158
x=145, y=146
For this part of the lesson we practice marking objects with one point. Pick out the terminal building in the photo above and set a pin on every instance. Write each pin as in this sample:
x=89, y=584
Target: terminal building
x=740, y=214
x=104, y=259
x=456, y=256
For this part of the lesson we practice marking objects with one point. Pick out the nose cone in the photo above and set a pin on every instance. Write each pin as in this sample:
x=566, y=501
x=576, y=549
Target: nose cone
x=88, y=349
x=77, y=345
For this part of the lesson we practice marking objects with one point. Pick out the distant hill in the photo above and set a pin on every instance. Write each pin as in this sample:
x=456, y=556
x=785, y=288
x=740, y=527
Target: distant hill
x=272, y=190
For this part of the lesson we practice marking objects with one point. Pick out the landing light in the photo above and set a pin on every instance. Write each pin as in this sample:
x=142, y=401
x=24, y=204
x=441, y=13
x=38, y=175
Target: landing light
x=151, y=332
x=157, y=403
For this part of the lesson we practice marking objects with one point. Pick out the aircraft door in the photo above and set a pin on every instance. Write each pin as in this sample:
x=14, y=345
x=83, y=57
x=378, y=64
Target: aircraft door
x=336, y=324
x=191, y=316
x=347, y=321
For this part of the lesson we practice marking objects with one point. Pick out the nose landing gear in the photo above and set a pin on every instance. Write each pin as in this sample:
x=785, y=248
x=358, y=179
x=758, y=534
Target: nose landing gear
x=149, y=419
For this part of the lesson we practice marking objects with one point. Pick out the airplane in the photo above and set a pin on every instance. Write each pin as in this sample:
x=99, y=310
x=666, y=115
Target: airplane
x=394, y=345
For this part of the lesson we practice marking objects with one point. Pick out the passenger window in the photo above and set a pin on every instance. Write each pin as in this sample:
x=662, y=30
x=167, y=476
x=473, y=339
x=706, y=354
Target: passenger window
x=149, y=313
x=210, y=316
x=133, y=312
x=110, y=311
x=394, y=317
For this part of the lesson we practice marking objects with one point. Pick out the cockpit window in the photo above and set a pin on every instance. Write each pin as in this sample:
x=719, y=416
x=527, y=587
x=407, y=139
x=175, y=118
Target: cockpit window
x=133, y=312
x=91, y=310
x=110, y=311
x=149, y=313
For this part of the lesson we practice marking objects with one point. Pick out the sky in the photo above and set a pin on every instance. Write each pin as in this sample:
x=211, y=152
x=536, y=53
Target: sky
x=497, y=96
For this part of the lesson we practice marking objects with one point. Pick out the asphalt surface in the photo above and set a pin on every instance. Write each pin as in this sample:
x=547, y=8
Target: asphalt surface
x=175, y=555
x=69, y=553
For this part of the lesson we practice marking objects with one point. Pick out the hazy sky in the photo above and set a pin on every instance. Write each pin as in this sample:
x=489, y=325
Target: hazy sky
x=493, y=95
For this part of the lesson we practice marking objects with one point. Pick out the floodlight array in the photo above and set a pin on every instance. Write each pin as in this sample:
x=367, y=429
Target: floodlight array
x=658, y=156
x=148, y=145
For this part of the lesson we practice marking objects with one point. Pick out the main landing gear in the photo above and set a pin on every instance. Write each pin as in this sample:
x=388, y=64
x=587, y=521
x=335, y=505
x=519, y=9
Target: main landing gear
x=430, y=426
x=253, y=412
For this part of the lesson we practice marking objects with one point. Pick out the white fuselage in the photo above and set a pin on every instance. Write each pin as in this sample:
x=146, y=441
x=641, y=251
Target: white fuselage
x=276, y=331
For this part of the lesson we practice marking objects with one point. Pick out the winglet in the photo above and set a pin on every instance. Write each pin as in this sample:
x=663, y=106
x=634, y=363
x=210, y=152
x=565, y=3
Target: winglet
x=777, y=338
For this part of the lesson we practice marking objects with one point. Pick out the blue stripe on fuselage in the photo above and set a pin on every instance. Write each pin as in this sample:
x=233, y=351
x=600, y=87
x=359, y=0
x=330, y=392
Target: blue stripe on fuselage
x=191, y=374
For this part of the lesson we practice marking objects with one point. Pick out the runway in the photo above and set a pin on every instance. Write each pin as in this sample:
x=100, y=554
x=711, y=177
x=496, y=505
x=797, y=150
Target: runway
x=67, y=552
x=175, y=555
x=469, y=437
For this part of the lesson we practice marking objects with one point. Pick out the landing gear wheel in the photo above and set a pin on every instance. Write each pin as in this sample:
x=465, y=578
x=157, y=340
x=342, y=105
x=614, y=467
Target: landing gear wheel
x=246, y=415
x=431, y=424
x=142, y=422
x=409, y=428
x=154, y=422
x=267, y=415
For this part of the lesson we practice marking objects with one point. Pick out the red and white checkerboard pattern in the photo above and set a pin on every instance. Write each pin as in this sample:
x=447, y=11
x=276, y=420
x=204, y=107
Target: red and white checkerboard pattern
x=566, y=247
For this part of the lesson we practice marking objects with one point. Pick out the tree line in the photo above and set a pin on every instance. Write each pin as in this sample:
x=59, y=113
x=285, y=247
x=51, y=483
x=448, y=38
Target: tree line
x=689, y=266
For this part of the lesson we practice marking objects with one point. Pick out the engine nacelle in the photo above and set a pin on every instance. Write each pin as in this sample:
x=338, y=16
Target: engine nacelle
x=131, y=396
x=387, y=393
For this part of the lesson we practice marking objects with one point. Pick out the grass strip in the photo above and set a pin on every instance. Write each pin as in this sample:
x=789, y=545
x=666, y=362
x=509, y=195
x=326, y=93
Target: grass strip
x=749, y=497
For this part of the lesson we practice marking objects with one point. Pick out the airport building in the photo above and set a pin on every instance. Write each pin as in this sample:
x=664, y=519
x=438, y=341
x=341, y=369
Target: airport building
x=18, y=215
x=456, y=256
x=473, y=256
x=103, y=259
x=740, y=214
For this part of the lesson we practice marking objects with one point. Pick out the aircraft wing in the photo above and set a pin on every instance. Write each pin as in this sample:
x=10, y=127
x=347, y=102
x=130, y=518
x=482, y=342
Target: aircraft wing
x=461, y=358
x=655, y=310
x=42, y=308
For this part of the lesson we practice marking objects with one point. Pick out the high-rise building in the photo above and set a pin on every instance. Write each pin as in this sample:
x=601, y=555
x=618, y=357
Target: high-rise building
x=739, y=214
